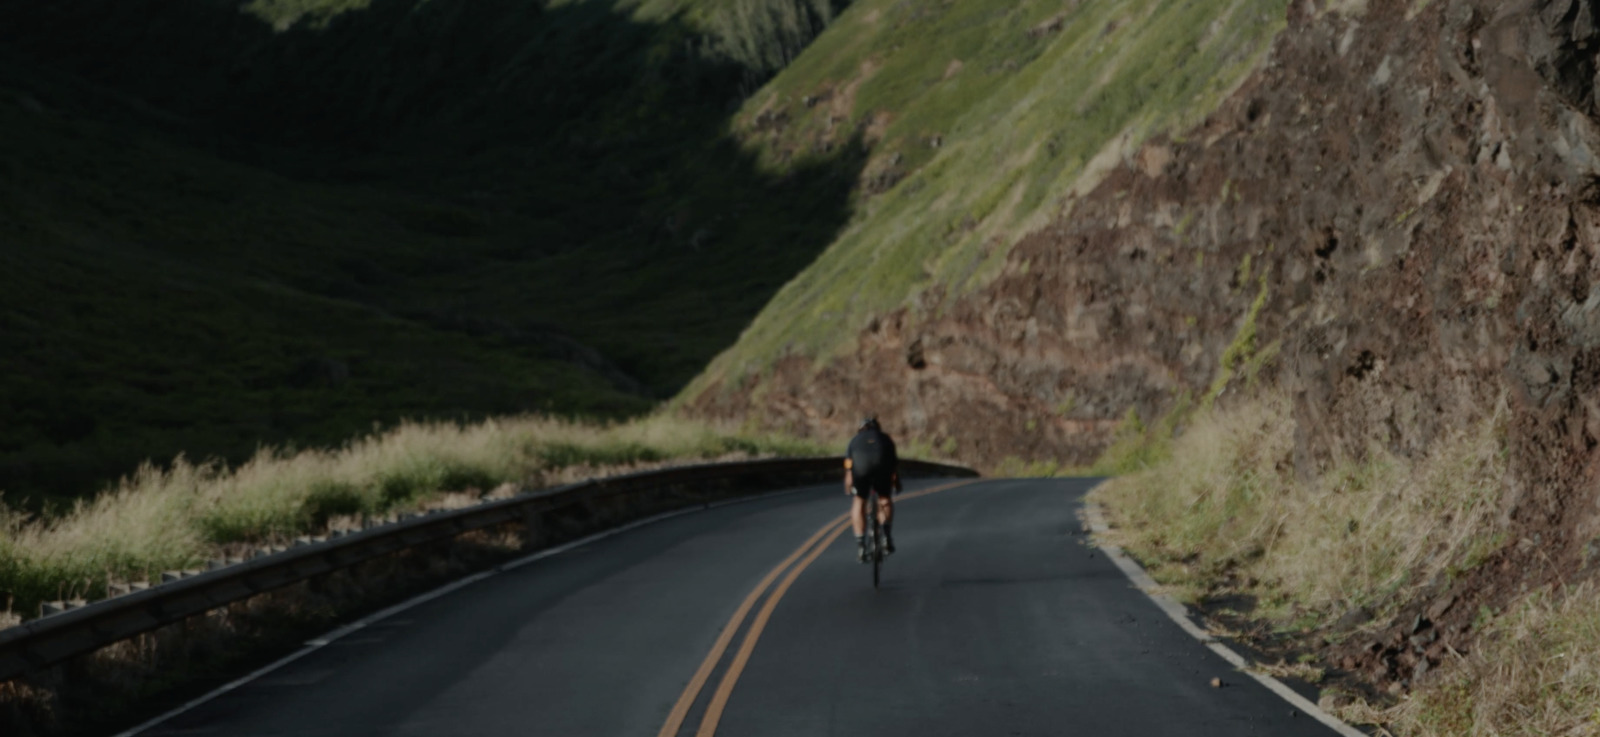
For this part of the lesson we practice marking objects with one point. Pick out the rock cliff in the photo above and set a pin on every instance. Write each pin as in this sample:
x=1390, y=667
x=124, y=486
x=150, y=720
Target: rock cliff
x=1395, y=222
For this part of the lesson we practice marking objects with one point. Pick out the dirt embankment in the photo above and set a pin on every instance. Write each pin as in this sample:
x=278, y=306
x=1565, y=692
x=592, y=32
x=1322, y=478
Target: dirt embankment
x=1416, y=192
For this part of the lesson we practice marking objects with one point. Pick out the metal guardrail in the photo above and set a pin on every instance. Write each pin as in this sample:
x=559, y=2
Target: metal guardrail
x=49, y=640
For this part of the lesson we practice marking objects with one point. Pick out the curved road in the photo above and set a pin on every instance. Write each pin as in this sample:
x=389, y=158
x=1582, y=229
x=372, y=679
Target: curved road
x=994, y=619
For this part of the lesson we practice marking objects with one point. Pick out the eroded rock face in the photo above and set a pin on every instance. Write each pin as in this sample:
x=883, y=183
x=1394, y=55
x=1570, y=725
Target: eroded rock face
x=1417, y=194
x=1563, y=48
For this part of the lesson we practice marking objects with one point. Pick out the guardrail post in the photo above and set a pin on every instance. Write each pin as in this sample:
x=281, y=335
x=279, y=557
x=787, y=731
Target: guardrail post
x=535, y=527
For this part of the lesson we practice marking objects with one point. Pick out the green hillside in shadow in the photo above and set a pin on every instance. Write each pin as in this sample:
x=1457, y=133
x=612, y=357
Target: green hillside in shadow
x=982, y=118
x=218, y=233
x=230, y=223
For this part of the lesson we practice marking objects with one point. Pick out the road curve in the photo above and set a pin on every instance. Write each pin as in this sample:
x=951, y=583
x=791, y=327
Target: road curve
x=994, y=619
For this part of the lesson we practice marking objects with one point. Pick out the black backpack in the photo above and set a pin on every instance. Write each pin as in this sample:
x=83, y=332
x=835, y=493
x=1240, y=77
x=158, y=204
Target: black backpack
x=871, y=454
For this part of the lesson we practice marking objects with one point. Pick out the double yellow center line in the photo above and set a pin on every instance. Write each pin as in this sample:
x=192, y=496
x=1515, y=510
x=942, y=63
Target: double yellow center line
x=806, y=553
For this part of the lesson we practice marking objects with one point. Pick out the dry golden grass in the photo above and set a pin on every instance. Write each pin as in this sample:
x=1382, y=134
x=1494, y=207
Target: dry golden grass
x=1297, y=671
x=1535, y=671
x=1365, y=533
x=1226, y=510
x=178, y=517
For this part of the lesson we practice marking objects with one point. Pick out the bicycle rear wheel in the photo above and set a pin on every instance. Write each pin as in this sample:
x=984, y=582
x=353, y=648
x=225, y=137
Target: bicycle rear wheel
x=876, y=551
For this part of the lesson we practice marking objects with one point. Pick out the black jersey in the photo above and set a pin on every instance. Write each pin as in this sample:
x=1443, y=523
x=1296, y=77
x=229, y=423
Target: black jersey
x=871, y=458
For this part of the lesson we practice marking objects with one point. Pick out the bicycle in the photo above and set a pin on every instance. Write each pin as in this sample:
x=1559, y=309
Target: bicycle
x=874, y=538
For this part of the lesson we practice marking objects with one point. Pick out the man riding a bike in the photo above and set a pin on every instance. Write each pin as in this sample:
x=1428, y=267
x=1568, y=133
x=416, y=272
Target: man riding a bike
x=871, y=465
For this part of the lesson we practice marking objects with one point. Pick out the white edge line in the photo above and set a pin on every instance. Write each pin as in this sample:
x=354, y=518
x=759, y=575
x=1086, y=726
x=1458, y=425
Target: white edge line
x=317, y=643
x=1180, y=615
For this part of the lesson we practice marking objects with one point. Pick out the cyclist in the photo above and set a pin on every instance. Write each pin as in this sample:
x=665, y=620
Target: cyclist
x=870, y=464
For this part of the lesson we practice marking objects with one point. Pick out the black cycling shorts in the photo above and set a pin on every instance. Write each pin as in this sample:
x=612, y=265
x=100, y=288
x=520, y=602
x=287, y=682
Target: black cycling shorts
x=883, y=483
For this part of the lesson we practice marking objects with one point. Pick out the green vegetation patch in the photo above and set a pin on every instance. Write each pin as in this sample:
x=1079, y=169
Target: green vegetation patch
x=1243, y=356
x=982, y=116
x=283, y=14
x=1137, y=447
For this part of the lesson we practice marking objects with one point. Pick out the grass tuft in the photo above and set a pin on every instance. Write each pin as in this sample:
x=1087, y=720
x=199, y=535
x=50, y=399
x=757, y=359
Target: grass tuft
x=1137, y=447
x=1017, y=468
x=1242, y=354
x=571, y=454
x=1365, y=532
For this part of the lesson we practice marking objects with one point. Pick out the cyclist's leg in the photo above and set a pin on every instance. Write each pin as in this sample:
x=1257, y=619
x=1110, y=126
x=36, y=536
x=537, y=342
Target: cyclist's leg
x=858, y=521
x=858, y=518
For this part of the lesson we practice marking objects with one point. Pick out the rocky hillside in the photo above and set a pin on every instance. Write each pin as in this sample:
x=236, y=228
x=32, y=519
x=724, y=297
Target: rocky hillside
x=1395, y=209
x=979, y=118
x=1394, y=222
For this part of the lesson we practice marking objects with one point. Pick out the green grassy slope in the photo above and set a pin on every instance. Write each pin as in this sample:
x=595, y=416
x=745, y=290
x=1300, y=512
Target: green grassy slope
x=983, y=115
x=218, y=234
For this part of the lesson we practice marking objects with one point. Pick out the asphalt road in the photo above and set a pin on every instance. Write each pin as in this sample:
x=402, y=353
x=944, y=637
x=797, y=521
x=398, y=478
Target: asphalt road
x=994, y=619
